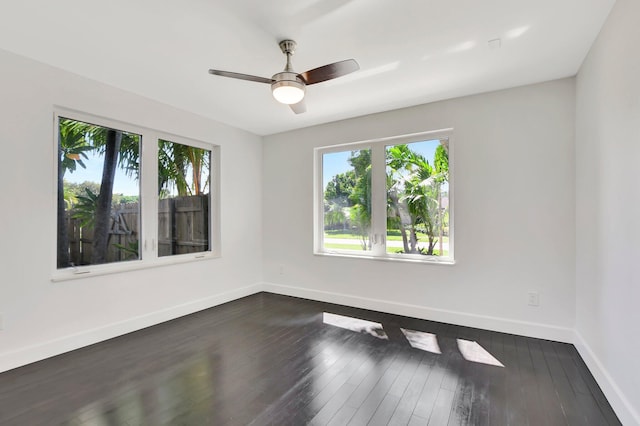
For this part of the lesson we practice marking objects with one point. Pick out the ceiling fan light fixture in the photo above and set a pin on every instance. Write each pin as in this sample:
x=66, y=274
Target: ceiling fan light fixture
x=288, y=88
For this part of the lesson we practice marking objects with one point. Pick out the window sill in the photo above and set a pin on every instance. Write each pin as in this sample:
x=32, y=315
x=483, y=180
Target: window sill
x=80, y=272
x=391, y=258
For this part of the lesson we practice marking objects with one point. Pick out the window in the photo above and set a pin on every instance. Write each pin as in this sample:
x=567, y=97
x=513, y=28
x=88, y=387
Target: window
x=386, y=199
x=347, y=200
x=183, y=205
x=130, y=197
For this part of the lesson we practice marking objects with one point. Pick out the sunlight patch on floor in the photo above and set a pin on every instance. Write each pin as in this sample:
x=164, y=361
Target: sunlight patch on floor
x=472, y=351
x=355, y=324
x=421, y=340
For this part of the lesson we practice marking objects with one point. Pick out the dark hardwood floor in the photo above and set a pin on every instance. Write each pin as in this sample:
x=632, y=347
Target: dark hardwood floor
x=275, y=360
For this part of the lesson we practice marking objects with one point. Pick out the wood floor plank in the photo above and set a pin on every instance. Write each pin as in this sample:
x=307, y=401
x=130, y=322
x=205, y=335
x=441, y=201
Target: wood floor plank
x=497, y=383
x=594, y=389
x=343, y=416
x=552, y=408
x=385, y=410
x=536, y=415
x=272, y=360
x=442, y=409
x=516, y=411
x=426, y=402
x=334, y=405
x=417, y=421
x=482, y=376
x=564, y=391
x=409, y=399
x=378, y=393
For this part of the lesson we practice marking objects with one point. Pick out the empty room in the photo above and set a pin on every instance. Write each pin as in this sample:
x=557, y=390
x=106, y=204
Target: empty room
x=327, y=212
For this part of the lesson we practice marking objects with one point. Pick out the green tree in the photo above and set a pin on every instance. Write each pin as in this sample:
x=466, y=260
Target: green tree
x=441, y=162
x=340, y=187
x=73, y=190
x=360, y=197
x=118, y=149
x=85, y=208
x=334, y=216
x=403, y=164
x=336, y=199
x=413, y=188
x=72, y=147
x=174, y=163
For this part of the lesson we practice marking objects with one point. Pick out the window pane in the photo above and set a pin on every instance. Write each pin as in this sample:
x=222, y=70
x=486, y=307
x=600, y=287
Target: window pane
x=418, y=198
x=347, y=200
x=98, y=194
x=183, y=211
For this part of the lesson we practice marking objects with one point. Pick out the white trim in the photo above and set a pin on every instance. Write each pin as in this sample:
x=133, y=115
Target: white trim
x=486, y=322
x=379, y=196
x=417, y=259
x=406, y=138
x=623, y=408
x=26, y=355
x=74, y=273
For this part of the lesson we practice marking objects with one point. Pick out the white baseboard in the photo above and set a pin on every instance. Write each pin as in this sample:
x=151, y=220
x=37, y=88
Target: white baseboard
x=621, y=405
x=504, y=325
x=27, y=355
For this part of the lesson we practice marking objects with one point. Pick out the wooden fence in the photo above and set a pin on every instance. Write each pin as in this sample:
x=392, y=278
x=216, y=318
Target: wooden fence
x=183, y=227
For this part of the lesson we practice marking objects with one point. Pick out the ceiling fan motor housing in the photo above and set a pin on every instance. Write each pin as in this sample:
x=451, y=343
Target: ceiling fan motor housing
x=287, y=87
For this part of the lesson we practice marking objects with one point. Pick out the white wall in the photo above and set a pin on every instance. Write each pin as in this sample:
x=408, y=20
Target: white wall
x=42, y=318
x=608, y=209
x=514, y=215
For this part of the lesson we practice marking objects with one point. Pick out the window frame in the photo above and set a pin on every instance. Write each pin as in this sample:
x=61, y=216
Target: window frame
x=379, y=198
x=148, y=199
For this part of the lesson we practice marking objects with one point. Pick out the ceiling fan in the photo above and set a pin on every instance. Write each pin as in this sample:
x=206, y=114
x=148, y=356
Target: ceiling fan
x=288, y=87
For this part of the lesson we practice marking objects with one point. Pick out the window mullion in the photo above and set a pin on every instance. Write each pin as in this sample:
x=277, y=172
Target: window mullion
x=149, y=195
x=378, y=200
x=318, y=214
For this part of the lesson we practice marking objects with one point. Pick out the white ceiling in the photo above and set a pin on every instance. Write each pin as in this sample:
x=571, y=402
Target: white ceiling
x=410, y=51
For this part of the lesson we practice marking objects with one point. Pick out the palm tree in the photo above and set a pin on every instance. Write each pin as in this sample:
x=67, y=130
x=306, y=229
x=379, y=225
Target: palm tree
x=72, y=147
x=174, y=162
x=118, y=148
x=102, y=218
x=414, y=195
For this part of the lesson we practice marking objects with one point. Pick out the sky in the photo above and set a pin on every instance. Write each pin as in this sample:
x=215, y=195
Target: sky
x=123, y=184
x=337, y=162
x=333, y=164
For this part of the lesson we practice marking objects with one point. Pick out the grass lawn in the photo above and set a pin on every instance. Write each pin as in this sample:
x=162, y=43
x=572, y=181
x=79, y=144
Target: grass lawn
x=392, y=235
x=395, y=251
x=343, y=246
x=358, y=247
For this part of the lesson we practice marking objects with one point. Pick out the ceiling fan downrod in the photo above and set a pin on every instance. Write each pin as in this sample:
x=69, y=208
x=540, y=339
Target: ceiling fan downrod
x=288, y=87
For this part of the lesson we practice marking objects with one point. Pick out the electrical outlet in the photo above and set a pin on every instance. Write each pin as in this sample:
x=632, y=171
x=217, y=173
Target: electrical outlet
x=534, y=298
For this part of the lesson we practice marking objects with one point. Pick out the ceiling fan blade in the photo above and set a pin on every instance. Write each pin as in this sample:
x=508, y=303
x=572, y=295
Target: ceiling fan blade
x=241, y=76
x=331, y=71
x=299, y=108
